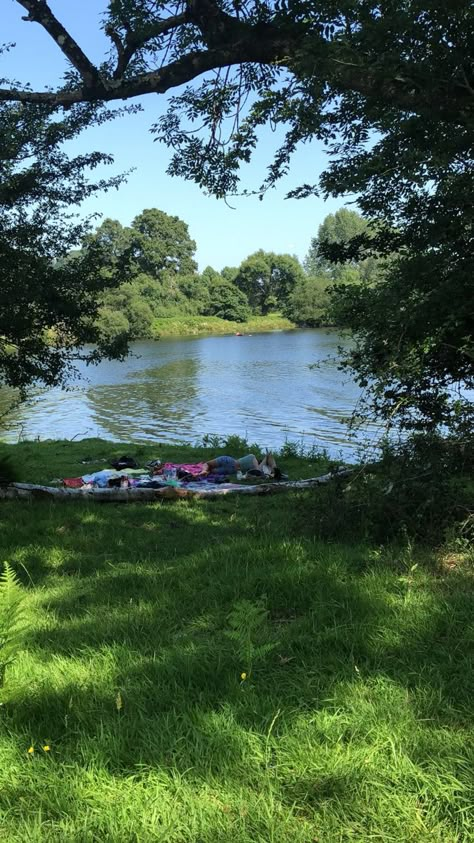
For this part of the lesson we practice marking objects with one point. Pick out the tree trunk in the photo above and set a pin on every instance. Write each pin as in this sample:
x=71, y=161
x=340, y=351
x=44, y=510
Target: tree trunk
x=30, y=491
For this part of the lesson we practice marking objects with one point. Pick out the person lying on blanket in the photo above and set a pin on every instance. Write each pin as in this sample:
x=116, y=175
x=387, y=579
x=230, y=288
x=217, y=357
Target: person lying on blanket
x=229, y=465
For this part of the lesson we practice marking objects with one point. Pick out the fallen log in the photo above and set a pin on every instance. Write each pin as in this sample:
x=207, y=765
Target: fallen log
x=134, y=494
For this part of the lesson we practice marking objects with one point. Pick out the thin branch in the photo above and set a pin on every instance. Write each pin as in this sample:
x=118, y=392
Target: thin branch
x=467, y=82
x=136, y=40
x=120, y=47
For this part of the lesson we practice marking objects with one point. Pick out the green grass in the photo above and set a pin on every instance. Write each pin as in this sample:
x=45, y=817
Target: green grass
x=182, y=325
x=354, y=721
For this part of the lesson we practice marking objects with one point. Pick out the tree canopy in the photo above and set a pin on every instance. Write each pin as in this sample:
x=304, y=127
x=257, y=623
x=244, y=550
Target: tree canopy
x=48, y=303
x=339, y=228
x=267, y=279
x=385, y=50
x=160, y=244
x=155, y=244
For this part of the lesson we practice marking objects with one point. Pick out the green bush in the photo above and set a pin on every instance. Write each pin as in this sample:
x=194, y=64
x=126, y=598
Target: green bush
x=308, y=302
x=8, y=472
x=233, y=444
x=112, y=323
x=228, y=302
x=422, y=489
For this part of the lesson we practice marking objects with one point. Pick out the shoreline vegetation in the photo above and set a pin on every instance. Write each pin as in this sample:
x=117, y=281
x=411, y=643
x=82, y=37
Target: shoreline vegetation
x=183, y=325
x=190, y=326
x=245, y=669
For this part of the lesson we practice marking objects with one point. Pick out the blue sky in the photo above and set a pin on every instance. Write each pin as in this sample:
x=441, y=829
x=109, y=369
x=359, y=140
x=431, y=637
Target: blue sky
x=224, y=235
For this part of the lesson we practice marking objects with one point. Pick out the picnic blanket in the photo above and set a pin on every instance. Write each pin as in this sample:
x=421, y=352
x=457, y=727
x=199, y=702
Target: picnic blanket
x=189, y=473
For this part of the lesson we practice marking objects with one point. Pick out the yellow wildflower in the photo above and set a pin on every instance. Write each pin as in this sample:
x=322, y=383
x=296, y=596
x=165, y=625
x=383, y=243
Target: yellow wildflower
x=46, y=748
x=31, y=750
x=243, y=676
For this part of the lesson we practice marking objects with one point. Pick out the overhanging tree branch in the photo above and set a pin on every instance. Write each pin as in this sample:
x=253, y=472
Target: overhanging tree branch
x=451, y=99
x=172, y=75
x=227, y=41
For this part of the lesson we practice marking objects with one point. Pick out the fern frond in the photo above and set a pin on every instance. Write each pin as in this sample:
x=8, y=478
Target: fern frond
x=12, y=617
x=250, y=632
x=8, y=578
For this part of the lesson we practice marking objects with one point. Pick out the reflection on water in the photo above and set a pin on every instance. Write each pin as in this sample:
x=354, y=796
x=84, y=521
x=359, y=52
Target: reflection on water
x=260, y=387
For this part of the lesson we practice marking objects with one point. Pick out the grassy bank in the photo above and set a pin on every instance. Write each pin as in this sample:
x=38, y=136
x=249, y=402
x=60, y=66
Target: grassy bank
x=204, y=672
x=181, y=326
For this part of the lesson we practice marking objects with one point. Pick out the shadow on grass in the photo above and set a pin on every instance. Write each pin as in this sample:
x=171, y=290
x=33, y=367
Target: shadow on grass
x=131, y=667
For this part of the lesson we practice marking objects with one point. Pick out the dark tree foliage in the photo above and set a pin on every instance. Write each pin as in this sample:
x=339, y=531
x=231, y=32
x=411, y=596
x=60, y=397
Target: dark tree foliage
x=156, y=244
x=268, y=279
x=388, y=86
x=339, y=228
x=308, y=303
x=414, y=328
x=227, y=302
x=160, y=244
x=221, y=297
x=48, y=303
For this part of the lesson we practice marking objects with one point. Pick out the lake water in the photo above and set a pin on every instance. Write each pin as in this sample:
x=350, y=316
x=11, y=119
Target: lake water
x=260, y=387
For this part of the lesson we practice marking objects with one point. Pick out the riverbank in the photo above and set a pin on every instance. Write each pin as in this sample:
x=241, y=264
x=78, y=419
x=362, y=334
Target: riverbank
x=190, y=326
x=223, y=670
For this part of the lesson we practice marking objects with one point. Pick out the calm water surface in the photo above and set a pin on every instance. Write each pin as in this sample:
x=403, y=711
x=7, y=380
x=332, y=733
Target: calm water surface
x=260, y=387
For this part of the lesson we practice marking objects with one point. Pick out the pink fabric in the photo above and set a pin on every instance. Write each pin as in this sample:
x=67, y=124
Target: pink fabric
x=73, y=482
x=191, y=468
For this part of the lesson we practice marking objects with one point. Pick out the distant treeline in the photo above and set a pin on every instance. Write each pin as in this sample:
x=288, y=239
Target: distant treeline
x=153, y=260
